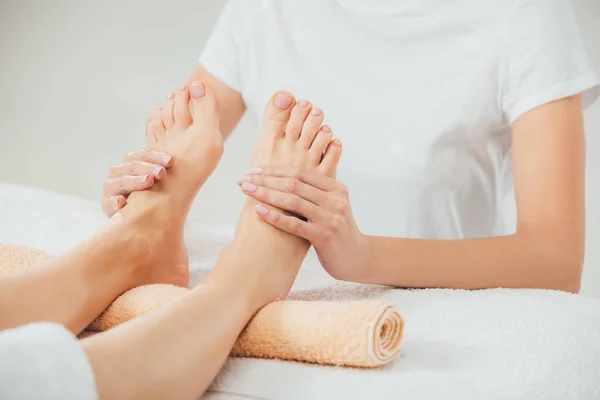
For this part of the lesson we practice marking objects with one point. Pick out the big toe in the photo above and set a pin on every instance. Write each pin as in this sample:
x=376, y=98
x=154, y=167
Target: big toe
x=204, y=106
x=331, y=158
x=277, y=113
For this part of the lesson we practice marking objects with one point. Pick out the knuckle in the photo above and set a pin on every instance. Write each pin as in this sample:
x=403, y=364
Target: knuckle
x=274, y=217
x=293, y=203
x=336, y=222
x=291, y=185
x=342, y=188
x=341, y=206
x=294, y=225
x=296, y=173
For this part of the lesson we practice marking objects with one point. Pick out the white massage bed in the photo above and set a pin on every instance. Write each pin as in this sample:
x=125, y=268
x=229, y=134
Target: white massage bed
x=494, y=344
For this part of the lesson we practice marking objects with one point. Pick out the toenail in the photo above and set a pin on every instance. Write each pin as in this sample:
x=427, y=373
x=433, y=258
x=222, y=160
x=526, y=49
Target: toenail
x=256, y=171
x=337, y=142
x=282, y=101
x=317, y=111
x=303, y=103
x=143, y=178
x=170, y=96
x=165, y=159
x=244, y=178
x=197, y=90
x=115, y=200
x=182, y=87
x=262, y=210
x=156, y=170
x=326, y=129
x=249, y=187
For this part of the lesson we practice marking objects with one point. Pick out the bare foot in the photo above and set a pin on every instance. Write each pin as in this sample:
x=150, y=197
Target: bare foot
x=187, y=127
x=291, y=136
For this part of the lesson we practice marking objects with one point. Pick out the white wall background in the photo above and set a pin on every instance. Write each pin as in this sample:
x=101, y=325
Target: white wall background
x=78, y=79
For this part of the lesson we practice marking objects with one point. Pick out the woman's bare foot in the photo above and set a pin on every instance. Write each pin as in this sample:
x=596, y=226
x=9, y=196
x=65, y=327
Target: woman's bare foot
x=187, y=127
x=291, y=136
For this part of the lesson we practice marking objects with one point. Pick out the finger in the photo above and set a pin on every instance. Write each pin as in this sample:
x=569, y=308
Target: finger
x=150, y=156
x=312, y=178
x=284, y=201
x=111, y=205
x=287, y=223
x=124, y=185
x=137, y=168
x=287, y=185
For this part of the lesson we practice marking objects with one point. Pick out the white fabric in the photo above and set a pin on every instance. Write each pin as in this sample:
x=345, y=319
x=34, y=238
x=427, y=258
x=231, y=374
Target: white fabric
x=44, y=361
x=489, y=344
x=421, y=93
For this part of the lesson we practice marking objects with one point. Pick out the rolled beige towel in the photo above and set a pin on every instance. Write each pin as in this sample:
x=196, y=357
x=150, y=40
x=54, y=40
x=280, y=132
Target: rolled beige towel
x=354, y=333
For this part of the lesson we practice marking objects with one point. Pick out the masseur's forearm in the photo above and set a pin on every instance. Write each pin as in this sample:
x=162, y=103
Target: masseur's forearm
x=515, y=261
x=72, y=289
x=176, y=351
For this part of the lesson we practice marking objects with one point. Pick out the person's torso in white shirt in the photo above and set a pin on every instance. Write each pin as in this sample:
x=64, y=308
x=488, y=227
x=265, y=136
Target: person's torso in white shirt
x=415, y=90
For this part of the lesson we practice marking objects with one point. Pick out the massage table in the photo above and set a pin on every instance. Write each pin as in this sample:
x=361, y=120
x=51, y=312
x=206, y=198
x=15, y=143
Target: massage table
x=487, y=344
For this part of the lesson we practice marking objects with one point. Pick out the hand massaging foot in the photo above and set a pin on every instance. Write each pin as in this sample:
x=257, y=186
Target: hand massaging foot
x=291, y=136
x=187, y=127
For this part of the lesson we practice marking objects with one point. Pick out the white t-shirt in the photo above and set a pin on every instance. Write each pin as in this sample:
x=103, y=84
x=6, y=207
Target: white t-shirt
x=421, y=93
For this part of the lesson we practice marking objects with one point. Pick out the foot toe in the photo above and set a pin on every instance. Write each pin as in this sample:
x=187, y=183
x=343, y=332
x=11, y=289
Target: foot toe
x=311, y=126
x=277, y=113
x=204, y=103
x=167, y=111
x=319, y=145
x=155, y=129
x=297, y=118
x=181, y=108
x=331, y=158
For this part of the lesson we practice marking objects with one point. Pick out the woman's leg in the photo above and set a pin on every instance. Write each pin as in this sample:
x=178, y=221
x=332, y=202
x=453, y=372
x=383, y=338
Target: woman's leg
x=141, y=246
x=176, y=351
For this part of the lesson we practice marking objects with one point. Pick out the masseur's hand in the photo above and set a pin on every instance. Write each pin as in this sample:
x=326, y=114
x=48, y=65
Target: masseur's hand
x=138, y=172
x=324, y=204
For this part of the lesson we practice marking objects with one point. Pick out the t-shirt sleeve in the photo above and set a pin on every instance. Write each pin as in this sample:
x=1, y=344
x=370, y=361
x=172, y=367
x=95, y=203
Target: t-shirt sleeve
x=44, y=361
x=546, y=59
x=222, y=55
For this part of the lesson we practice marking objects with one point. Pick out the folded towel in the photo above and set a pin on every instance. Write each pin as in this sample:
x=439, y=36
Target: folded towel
x=356, y=333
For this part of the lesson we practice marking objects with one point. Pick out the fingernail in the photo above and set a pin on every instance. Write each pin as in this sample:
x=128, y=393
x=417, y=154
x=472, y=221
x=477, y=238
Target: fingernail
x=262, y=210
x=165, y=159
x=156, y=170
x=317, y=111
x=170, y=96
x=143, y=178
x=282, y=101
x=244, y=178
x=197, y=90
x=182, y=87
x=256, y=171
x=303, y=103
x=337, y=142
x=248, y=187
x=326, y=129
